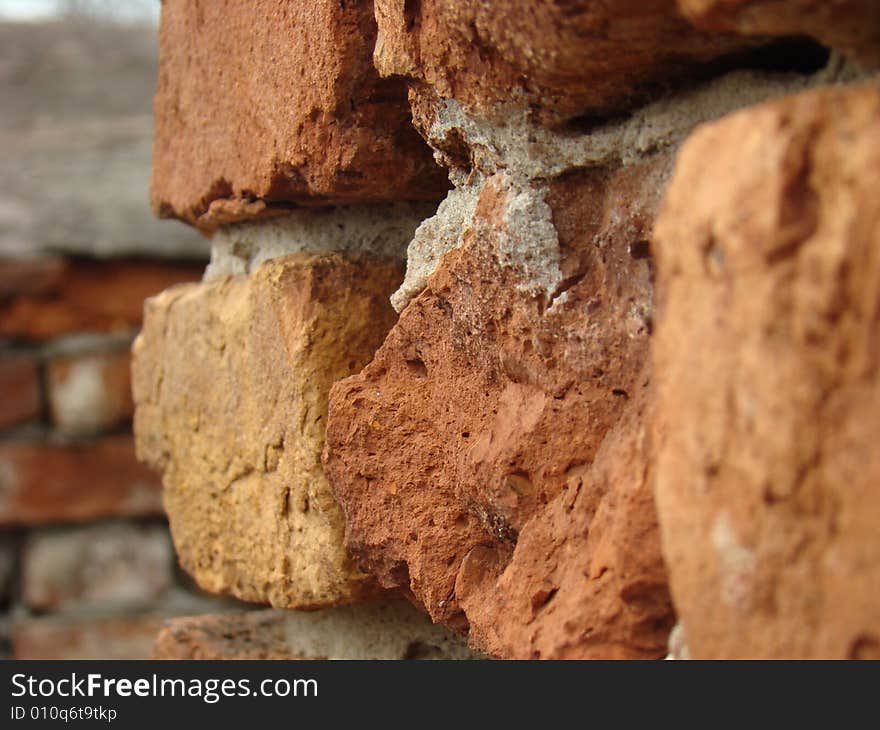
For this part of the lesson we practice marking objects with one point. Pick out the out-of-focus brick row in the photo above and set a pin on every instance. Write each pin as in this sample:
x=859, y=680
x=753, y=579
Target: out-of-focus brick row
x=86, y=564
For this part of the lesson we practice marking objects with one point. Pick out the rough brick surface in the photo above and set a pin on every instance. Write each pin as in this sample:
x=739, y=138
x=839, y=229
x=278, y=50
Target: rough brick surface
x=116, y=566
x=851, y=26
x=231, y=380
x=42, y=483
x=263, y=104
x=255, y=635
x=364, y=631
x=21, y=398
x=90, y=393
x=767, y=372
x=492, y=394
x=586, y=579
x=86, y=296
x=565, y=59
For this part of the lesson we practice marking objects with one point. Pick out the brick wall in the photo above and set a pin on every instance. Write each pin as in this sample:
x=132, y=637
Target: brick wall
x=87, y=567
x=556, y=321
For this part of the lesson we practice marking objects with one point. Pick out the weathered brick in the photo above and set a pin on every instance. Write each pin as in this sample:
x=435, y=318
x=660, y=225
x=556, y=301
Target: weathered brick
x=767, y=377
x=478, y=421
x=261, y=103
x=560, y=60
x=230, y=382
x=42, y=483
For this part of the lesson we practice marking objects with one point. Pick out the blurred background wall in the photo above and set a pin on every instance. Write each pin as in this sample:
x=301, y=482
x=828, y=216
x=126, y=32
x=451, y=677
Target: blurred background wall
x=86, y=564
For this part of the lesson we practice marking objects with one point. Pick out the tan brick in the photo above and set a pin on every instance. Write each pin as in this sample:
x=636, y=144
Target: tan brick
x=230, y=382
x=43, y=483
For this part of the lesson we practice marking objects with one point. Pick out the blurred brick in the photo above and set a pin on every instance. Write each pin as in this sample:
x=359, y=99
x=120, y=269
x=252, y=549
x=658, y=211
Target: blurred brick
x=92, y=638
x=20, y=398
x=29, y=276
x=7, y=568
x=90, y=393
x=89, y=296
x=44, y=483
x=110, y=566
x=393, y=630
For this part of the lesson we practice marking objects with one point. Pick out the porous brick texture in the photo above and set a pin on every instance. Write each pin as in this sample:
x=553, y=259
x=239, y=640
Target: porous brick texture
x=231, y=380
x=616, y=417
x=562, y=60
x=767, y=371
x=486, y=405
x=265, y=103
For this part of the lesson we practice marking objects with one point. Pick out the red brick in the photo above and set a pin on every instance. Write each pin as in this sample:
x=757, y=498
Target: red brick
x=89, y=297
x=43, y=483
x=29, y=276
x=20, y=396
x=268, y=102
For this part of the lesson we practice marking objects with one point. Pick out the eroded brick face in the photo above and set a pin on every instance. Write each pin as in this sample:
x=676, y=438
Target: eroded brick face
x=487, y=405
x=262, y=105
x=559, y=60
x=610, y=404
x=767, y=371
x=250, y=509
